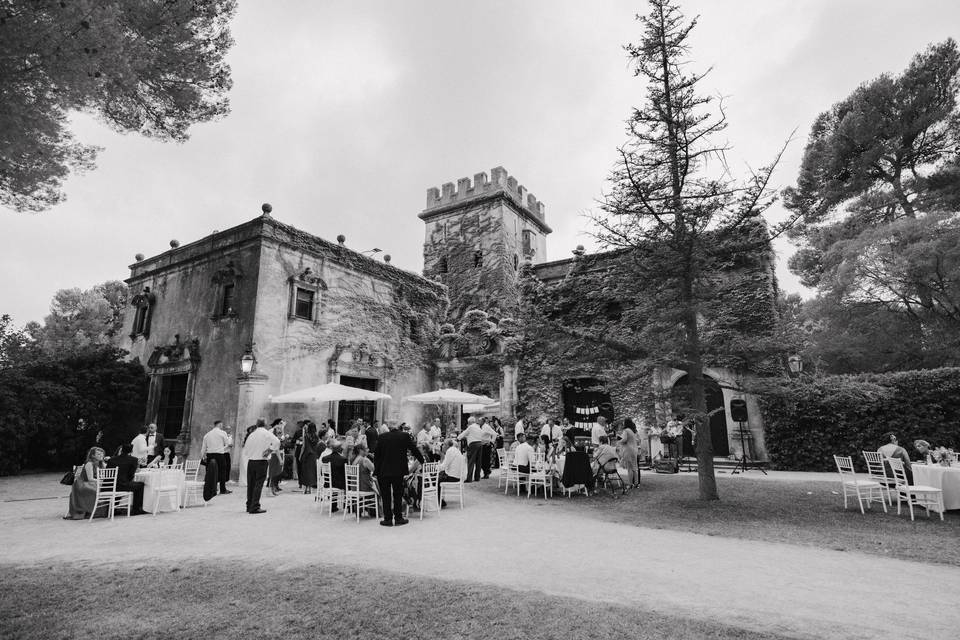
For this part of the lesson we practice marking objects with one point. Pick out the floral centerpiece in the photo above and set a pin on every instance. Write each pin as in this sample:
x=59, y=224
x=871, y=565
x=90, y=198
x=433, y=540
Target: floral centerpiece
x=944, y=456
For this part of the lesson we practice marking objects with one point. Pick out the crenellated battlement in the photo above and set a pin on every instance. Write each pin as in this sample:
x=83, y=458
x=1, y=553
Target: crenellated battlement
x=466, y=190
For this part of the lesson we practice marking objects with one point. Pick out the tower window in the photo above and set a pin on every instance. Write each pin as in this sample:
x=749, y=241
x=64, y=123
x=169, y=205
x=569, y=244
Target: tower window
x=478, y=258
x=516, y=262
x=442, y=265
x=226, y=304
x=527, y=242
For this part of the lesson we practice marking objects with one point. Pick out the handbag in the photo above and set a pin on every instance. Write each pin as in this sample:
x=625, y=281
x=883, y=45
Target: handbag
x=68, y=477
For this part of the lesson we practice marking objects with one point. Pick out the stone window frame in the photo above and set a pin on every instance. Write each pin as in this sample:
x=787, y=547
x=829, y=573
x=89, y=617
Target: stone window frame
x=308, y=281
x=144, y=303
x=229, y=275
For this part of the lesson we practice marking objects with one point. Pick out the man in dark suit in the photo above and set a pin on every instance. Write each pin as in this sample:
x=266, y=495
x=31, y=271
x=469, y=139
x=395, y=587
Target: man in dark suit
x=373, y=434
x=390, y=462
x=154, y=442
x=127, y=467
x=338, y=471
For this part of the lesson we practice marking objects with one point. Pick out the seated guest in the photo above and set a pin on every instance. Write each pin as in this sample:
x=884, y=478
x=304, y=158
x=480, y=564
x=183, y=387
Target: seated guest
x=603, y=454
x=923, y=448
x=338, y=471
x=127, y=466
x=523, y=457
x=894, y=450
x=361, y=459
x=164, y=460
x=452, y=468
x=83, y=491
x=413, y=482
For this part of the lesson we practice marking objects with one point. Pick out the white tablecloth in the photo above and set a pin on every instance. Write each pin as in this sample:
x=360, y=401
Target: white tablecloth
x=151, y=478
x=947, y=479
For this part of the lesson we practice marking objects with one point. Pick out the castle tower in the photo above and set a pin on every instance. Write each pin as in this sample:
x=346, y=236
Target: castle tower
x=478, y=234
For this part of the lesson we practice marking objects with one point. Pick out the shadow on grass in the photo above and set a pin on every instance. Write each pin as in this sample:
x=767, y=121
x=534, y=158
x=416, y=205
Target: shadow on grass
x=802, y=513
x=201, y=600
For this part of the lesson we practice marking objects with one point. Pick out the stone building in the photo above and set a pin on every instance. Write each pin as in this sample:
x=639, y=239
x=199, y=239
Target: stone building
x=312, y=311
x=308, y=310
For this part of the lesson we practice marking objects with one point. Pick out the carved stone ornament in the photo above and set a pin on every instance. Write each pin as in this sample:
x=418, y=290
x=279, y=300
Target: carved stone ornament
x=307, y=276
x=362, y=361
x=229, y=273
x=180, y=352
x=143, y=299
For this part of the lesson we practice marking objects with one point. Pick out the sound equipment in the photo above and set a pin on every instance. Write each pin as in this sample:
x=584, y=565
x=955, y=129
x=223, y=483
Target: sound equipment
x=738, y=410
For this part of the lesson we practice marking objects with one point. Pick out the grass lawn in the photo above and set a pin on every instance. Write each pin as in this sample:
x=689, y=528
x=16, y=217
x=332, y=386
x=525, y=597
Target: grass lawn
x=206, y=600
x=803, y=513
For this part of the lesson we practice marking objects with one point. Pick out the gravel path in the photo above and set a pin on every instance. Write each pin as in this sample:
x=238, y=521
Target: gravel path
x=520, y=544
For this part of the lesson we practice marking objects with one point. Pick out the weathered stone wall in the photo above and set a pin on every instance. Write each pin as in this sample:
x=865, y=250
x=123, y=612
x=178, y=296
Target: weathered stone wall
x=186, y=304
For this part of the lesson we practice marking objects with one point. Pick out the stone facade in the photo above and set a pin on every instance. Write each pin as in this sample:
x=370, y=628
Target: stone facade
x=310, y=311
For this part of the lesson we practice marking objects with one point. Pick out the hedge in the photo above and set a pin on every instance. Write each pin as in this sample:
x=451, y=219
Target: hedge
x=807, y=421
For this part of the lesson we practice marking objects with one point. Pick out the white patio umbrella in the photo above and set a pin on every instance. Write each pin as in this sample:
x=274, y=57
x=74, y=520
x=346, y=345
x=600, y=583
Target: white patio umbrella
x=482, y=408
x=450, y=396
x=330, y=392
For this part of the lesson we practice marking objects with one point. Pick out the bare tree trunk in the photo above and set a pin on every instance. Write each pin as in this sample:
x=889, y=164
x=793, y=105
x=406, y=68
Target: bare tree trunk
x=704, y=442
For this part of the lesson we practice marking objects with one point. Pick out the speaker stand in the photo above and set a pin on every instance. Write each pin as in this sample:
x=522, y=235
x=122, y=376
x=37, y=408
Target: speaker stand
x=744, y=464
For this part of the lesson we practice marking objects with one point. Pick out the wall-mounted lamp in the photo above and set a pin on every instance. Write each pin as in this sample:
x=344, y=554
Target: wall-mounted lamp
x=247, y=361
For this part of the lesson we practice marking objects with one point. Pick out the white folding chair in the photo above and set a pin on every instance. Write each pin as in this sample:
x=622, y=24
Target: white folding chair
x=502, y=465
x=455, y=489
x=540, y=476
x=167, y=487
x=193, y=485
x=877, y=471
x=356, y=499
x=326, y=492
x=868, y=491
x=429, y=496
x=915, y=494
x=107, y=494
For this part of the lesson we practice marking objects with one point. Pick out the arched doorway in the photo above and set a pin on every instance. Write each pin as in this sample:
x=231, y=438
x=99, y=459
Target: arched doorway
x=718, y=420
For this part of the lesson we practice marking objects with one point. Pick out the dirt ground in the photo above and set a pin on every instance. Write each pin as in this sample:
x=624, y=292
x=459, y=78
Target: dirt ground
x=519, y=543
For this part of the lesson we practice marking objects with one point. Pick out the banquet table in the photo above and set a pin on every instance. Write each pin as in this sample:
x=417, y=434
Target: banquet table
x=151, y=478
x=947, y=479
x=577, y=470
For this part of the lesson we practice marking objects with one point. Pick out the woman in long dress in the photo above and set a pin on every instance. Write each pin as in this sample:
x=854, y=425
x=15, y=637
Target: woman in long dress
x=83, y=492
x=628, y=452
x=308, y=458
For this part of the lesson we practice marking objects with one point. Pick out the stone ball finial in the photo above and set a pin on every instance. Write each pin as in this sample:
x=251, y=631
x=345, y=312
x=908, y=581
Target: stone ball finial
x=174, y=243
x=341, y=238
x=138, y=257
x=579, y=251
x=266, y=207
x=386, y=258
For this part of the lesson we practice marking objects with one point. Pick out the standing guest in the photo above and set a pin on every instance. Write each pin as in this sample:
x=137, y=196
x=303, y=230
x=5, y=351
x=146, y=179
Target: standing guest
x=127, y=467
x=552, y=430
x=452, y=468
x=298, y=451
x=488, y=437
x=154, y=442
x=139, y=447
x=628, y=452
x=309, y=450
x=424, y=442
x=242, y=478
x=519, y=427
x=565, y=425
x=372, y=433
x=275, y=462
x=390, y=459
x=260, y=445
x=474, y=437
x=599, y=430
x=83, y=492
x=215, y=445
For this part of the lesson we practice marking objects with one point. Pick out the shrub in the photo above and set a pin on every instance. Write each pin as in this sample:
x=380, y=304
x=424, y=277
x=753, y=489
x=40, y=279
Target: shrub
x=807, y=421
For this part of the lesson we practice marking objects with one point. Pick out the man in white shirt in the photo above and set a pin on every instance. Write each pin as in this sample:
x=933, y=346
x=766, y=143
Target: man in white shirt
x=452, y=468
x=599, y=429
x=474, y=437
x=487, y=437
x=259, y=446
x=216, y=444
x=523, y=455
x=140, y=449
x=552, y=430
x=435, y=432
x=519, y=428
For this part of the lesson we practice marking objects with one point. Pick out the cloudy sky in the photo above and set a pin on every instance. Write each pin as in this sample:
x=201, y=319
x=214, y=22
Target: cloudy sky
x=344, y=113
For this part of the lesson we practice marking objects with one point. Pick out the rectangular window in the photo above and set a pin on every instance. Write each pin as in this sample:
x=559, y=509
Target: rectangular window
x=140, y=320
x=173, y=399
x=226, y=305
x=304, y=304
